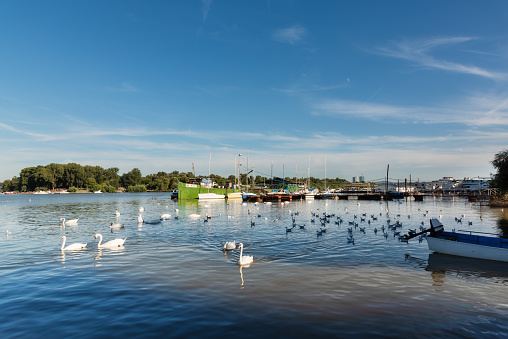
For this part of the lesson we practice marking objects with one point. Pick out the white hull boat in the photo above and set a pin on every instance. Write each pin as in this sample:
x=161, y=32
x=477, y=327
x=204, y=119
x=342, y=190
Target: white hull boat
x=465, y=243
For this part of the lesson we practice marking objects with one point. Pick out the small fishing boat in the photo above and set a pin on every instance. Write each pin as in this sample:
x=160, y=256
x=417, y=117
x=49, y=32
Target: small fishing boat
x=464, y=243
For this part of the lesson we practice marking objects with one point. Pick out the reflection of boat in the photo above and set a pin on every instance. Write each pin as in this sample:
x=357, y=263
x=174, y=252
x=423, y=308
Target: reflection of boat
x=467, y=266
x=464, y=243
x=208, y=196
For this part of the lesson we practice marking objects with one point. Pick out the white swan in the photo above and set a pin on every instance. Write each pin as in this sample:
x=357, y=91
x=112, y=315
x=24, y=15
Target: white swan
x=165, y=216
x=116, y=226
x=194, y=216
x=117, y=213
x=229, y=245
x=71, y=247
x=141, y=209
x=140, y=219
x=69, y=222
x=244, y=260
x=110, y=244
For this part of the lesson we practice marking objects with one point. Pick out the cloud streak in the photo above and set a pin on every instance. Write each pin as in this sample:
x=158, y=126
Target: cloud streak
x=420, y=51
x=473, y=111
x=206, y=8
x=292, y=35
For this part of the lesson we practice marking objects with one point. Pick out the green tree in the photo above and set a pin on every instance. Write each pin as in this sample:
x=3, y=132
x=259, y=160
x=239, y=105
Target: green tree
x=131, y=178
x=56, y=171
x=500, y=180
x=74, y=175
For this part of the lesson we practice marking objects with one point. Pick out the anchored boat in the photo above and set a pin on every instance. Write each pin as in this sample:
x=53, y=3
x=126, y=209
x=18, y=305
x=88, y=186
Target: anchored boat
x=464, y=243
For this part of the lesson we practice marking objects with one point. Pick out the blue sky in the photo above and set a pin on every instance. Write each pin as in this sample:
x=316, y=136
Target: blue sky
x=160, y=85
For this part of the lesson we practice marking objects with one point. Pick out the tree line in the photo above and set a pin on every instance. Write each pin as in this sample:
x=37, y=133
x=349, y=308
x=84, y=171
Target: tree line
x=500, y=179
x=74, y=176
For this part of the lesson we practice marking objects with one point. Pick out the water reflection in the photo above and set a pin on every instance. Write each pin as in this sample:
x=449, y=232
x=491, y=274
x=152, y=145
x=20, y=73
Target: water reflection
x=113, y=251
x=443, y=264
x=502, y=222
x=241, y=273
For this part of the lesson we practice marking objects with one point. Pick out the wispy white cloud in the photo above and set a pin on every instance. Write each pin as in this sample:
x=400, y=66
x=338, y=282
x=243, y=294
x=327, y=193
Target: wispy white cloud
x=474, y=110
x=291, y=35
x=307, y=83
x=39, y=136
x=206, y=8
x=296, y=89
x=420, y=52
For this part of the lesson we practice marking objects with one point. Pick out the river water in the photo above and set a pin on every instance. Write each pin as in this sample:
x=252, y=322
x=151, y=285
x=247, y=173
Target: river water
x=172, y=279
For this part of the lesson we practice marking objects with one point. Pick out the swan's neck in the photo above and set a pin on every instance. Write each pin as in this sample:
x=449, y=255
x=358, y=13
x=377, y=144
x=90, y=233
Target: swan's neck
x=63, y=243
x=100, y=240
x=241, y=252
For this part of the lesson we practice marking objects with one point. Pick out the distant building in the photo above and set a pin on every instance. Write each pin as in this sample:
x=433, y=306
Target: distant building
x=474, y=184
x=362, y=178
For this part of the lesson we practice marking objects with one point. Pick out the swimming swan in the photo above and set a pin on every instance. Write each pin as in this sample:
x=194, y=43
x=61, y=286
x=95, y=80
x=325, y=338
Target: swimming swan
x=71, y=247
x=244, y=260
x=69, y=222
x=229, y=245
x=110, y=244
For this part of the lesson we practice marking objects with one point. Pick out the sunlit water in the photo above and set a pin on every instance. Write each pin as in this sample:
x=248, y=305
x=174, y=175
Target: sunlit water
x=172, y=279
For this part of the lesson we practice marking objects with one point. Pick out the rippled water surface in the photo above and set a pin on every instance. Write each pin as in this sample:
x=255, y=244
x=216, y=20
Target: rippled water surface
x=172, y=279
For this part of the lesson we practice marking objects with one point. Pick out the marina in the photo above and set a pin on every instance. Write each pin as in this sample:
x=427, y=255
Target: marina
x=173, y=278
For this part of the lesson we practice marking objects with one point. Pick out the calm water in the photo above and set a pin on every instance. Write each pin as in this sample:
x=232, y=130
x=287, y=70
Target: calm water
x=173, y=280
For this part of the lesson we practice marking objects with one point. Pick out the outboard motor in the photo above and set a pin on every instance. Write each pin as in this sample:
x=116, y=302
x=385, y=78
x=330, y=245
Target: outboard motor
x=435, y=226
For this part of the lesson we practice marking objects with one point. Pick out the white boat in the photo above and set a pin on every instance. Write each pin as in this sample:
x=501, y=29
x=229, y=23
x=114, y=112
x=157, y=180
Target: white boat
x=465, y=243
x=99, y=191
x=209, y=196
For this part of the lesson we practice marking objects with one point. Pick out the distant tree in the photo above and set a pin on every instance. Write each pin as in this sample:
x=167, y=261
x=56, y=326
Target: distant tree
x=74, y=175
x=131, y=178
x=500, y=180
x=56, y=171
x=111, y=174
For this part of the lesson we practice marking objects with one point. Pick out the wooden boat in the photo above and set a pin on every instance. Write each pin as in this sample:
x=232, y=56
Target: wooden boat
x=464, y=243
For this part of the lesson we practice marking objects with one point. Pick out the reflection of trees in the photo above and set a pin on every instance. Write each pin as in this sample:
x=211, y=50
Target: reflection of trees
x=502, y=224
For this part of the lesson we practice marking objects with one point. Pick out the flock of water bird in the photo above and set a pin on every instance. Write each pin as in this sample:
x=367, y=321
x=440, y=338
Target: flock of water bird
x=358, y=223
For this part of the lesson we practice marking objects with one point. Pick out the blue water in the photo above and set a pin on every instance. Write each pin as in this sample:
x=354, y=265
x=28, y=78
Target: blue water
x=172, y=279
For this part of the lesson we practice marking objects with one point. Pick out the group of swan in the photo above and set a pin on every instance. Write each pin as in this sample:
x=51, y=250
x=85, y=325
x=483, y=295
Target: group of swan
x=243, y=259
x=115, y=243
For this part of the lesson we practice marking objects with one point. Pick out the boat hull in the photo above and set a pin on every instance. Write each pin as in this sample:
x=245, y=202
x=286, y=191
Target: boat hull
x=210, y=196
x=191, y=191
x=463, y=249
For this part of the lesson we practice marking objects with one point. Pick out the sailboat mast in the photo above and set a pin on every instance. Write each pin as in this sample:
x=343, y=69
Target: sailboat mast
x=387, y=169
x=308, y=174
x=325, y=172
